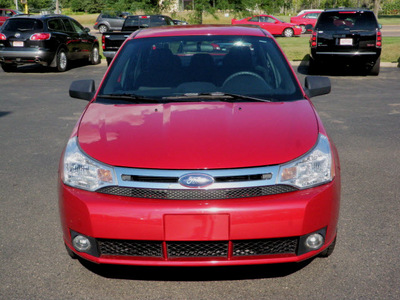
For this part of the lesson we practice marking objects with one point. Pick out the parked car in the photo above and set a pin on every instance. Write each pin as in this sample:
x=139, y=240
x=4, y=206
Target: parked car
x=109, y=21
x=6, y=13
x=48, y=40
x=308, y=10
x=272, y=24
x=113, y=40
x=180, y=22
x=188, y=155
x=306, y=20
x=346, y=37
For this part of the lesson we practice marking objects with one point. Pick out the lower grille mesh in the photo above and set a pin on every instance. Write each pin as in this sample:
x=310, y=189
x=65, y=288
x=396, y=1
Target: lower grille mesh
x=265, y=247
x=197, y=194
x=130, y=248
x=198, y=248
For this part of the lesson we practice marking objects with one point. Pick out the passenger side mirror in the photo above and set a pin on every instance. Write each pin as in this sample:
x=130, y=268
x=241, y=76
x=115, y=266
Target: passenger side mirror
x=82, y=89
x=317, y=85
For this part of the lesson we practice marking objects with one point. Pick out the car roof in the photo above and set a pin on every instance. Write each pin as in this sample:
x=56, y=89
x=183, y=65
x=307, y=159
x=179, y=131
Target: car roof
x=201, y=30
x=39, y=16
x=348, y=9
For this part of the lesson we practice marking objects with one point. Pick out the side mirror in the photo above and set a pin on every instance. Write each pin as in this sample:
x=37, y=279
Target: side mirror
x=86, y=29
x=317, y=85
x=82, y=89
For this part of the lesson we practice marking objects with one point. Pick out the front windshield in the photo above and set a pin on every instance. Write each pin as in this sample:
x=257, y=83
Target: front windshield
x=166, y=67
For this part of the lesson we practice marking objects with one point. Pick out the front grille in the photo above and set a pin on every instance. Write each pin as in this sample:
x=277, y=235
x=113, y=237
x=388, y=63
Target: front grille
x=163, y=179
x=197, y=249
x=130, y=248
x=197, y=194
x=265, y=247
x=155, y=249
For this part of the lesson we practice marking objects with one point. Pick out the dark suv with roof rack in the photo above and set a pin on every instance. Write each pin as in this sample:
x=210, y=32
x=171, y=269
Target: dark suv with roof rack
x=48, y=40
x=347, y=37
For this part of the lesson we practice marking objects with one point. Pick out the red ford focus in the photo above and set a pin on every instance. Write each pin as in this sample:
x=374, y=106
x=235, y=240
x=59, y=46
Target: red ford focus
x=272, y=24
x=199, y=148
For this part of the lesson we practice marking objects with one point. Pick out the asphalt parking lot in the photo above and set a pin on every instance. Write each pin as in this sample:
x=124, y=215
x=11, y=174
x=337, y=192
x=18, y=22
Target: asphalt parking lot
x=362, y=115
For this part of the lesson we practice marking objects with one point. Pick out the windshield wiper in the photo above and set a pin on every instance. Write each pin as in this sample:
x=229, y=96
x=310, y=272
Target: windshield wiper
x=228, y=97
x=130, y=98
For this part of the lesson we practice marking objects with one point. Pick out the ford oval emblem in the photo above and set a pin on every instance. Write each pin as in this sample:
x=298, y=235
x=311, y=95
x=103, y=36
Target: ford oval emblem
x=17, y=35
x=196, y=180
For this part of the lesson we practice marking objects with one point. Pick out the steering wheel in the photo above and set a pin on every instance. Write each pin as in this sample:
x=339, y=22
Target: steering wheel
x=242, y=73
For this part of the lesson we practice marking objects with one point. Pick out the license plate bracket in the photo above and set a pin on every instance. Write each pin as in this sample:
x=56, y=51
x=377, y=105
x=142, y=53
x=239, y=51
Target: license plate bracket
x=18, y=44
x=346, y=42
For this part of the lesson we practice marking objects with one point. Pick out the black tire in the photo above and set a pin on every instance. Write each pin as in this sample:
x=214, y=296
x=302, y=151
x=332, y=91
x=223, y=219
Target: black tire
x=109, y=60
x=103, y=28
x=312, y=67
x=70, y=252
x=376, y=68
x=288, y=32
x=9, y=67
x=95, y=58
x=62, y=61
x=328, y=251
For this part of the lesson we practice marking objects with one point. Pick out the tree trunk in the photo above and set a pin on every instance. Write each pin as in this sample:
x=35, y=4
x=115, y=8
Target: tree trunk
x=377, y=4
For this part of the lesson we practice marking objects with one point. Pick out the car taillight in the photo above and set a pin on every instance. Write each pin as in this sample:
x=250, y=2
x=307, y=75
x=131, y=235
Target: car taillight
x=313, y=39
x=144, y=17
x=40, y=36
x=103, y=40
x=378, y=39
x=2, y=37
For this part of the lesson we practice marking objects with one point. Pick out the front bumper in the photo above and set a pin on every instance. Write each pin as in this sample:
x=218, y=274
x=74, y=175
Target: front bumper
x=210, y=232
x=26, y=55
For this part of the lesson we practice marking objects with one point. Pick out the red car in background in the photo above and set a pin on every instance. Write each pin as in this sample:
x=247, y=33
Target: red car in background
x=272, y=24
x=6, y=13
x=306, y=20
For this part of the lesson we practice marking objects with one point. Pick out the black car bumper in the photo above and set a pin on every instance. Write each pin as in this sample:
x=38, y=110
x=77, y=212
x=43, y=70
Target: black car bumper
x=26, y=56
x=345, y=57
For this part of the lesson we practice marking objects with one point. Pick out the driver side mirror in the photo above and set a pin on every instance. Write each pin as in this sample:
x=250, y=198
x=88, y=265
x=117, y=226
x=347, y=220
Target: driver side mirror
x=317, y=85
x=82, y=89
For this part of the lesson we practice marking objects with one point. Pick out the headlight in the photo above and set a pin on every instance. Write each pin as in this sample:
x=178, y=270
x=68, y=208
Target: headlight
x=312, y=169
x=82, y=172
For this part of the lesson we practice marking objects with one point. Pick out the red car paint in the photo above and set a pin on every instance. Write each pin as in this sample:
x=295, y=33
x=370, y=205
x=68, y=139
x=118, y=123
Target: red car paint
x=308, y=18
x=270, y=23
x=206, y=137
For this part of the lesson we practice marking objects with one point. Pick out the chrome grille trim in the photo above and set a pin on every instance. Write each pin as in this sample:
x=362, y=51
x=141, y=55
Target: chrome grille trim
x=270, y=172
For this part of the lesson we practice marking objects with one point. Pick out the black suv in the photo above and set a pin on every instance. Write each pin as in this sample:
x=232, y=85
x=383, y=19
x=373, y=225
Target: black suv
x=346, y=37
x=48, y=40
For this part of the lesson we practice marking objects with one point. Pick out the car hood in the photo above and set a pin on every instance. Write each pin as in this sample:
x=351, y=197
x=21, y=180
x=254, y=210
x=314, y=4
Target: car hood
x=209, y=135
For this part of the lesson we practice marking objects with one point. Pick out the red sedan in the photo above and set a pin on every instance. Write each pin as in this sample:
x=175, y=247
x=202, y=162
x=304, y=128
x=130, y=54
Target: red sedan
x=306, y=20
x=272, y=24
x=191, y=154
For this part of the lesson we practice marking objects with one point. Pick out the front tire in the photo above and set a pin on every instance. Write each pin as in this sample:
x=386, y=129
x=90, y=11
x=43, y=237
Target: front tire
x=288, y=32
x=95, y=55
x=328, y=251
x=303, y=29
x=70, y=252
x=103, y=28
x=62, y=61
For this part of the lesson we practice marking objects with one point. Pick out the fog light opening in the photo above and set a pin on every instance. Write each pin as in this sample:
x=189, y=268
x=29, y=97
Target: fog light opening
x=314, y=241
x=81, y=243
